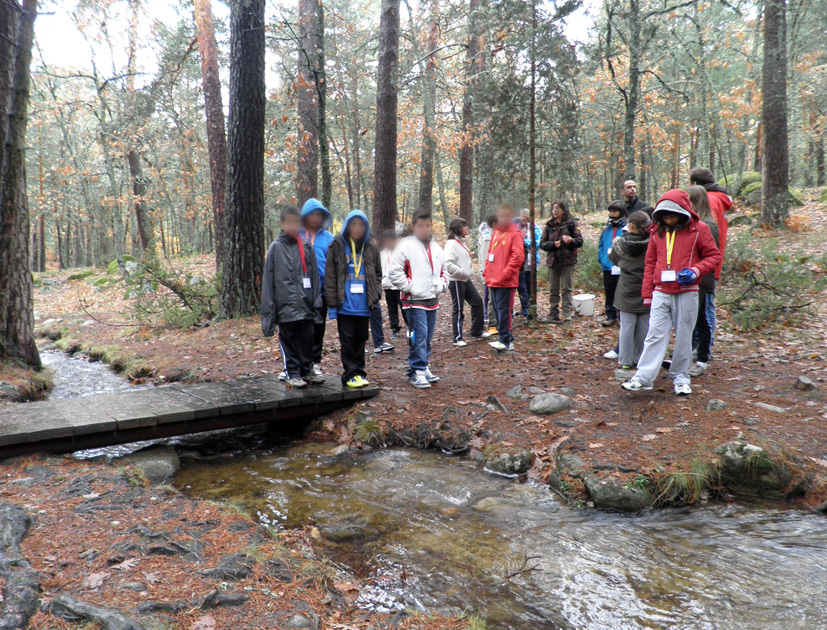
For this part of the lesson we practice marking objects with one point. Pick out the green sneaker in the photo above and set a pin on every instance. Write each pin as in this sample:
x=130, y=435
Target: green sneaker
x=355, y=382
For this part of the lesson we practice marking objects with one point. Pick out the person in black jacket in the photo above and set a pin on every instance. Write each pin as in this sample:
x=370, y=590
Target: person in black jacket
x=291, y=296
x=632, y=201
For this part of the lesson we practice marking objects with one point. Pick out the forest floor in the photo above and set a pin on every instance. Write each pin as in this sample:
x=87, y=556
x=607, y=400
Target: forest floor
x=633, y=442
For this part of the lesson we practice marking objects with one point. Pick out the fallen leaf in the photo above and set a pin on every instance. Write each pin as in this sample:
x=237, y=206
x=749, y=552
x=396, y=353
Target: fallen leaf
x=663, y=430
x=94, y=580
x=153, y=577
x=649, y=437
x=129, y=563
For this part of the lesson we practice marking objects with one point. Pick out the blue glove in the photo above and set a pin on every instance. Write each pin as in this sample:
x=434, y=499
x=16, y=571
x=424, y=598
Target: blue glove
x=687, y=276
x=332, y=312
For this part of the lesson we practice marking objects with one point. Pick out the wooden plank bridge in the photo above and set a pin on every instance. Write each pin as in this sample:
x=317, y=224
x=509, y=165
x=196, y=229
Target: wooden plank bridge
x=72, y=424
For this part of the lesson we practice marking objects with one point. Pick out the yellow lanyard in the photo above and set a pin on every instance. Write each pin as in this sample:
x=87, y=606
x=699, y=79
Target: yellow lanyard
x=670, y=244
x=494, y=242
x=357, y=260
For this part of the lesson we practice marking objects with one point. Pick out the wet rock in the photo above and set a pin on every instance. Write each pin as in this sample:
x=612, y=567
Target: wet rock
x=822, y=509
x=515, y=392
x=234, y=566
x=157, y=463
x=176, y=374
x=494, y=404
x=340, y=450
x=571, y=464
x=772, y=408
x=216, y=598
x=716, y=405
x=9, y=393
x=805, y=384
x=511, y=461
x=297, y=622
x=607, y=494
x=345, y=529
x=547, y=404
x=749, y=469
x=71, y=608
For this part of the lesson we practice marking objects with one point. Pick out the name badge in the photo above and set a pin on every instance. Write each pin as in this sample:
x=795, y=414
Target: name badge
x=609, y=252
x=490, y=257
x=357, y=287
x=669, y=275
x=615, y=270
x=306, y=282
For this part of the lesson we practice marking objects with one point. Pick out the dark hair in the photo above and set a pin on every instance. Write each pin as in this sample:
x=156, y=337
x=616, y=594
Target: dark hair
x=701, y=176
x=422, y=215
x=648, y=210
x=390, y=234
x=456, y=227
x=662, y=227
x=617, y=205
x=560, y=203
x=639, y=219
x=406, y=231
x=491, y=220
x=289, y=210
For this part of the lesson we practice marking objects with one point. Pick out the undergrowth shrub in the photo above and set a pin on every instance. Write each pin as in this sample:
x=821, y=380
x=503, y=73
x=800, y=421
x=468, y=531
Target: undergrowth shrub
x=588, y=274
x=763, y=284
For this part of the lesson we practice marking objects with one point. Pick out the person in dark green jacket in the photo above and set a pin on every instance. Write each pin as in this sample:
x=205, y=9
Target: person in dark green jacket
x=291, y=296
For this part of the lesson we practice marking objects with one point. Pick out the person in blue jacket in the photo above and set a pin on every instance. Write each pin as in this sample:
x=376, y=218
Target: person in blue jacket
x=611, y=272
x=316, y=220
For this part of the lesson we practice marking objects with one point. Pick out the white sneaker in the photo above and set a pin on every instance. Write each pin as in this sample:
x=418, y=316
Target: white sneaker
x=683, y=389
x=283, y=376
x=460, y=344
x=635, y=385
x=432, y=378
x=698, y=369
x=611, y=355
x=317, y=370
x=296, y=383
x=498, y=345
x=384, y=347
x=419, y=380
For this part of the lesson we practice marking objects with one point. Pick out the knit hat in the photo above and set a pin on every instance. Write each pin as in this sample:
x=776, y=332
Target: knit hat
x=676, y=201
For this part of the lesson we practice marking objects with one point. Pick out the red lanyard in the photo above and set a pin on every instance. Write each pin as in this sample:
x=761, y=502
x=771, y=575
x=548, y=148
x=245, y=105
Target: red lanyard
x=463, y=247
x=614, y=233
x=430, y=258
x=301, y=253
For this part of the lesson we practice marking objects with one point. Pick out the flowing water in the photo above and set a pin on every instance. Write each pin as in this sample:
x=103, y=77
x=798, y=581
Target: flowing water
x=75, y=376
x=431, y=532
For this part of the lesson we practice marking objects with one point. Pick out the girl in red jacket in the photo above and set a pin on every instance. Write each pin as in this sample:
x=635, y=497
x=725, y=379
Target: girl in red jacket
x=506, y=255
x=681, y=251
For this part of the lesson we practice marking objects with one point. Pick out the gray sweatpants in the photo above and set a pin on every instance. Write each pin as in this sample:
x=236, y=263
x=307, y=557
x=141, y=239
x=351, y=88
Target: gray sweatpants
x=633, y=330
x=678, y=312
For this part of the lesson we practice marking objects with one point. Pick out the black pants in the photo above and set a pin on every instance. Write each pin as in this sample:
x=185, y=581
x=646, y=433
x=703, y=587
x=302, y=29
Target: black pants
x=296, y=339
x=393, y=298
x=462, y=292
x=353, y=335
x=610, y=286
x=318, y=333
x=702, y=328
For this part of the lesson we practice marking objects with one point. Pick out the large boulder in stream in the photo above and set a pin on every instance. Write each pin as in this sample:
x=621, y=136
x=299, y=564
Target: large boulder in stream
x=157, y=463
x=609, y=494
x=749, y=469
x=508, y=461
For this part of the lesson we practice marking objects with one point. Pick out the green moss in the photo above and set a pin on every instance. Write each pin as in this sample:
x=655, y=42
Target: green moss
x=745, y=190
x=80, y=275
x=822, y=195
x=99, y=282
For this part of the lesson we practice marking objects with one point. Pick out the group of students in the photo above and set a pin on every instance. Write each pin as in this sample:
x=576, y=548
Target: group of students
x=660, y=275
x=660, y=267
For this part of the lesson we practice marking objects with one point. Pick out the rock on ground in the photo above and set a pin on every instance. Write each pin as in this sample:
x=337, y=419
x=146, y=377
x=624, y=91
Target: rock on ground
x=157, y=463
x=547, y=404
x=71, y=608
x=609, y=495
x=749, y=469
x=21, y=590
x=512, y=461
x=805, y=384
x=297, y=622
x=716, y=404
x=234, y=566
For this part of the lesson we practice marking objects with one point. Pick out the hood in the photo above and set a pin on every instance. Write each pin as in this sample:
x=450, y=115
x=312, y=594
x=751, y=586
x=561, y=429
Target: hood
x=511, y=227
x=484, y=229
x=724, y=195
x=632, y=245
x=314, y=204
x=352, y=215
x=675, y=201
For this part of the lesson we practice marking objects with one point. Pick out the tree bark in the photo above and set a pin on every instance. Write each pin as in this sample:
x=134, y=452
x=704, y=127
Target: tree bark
x=775, y=149
x=307, y=165
x=16, y=301
x=321, y=91
x=632, y=99
x=240, y=294
x=214, y=108
x=426, y=172
x=466, y=157
x=384, y=180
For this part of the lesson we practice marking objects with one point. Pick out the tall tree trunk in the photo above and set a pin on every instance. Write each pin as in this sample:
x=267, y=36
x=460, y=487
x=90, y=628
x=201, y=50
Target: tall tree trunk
x=532, y=159
x=440, y=183
x=426, y=172
x=307, y=166
x=466, y=157
x=632, y=96
x=776, y=160
x=820, y=179
x=214, y=108
x=321, y=91
x=384, y=179
x=348, y=174
x=240, y=292
x=16, y=301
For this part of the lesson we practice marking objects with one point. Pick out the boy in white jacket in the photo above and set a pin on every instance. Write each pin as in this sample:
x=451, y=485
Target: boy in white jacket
x=459, y=269
x=416, y=270
x=392, y=295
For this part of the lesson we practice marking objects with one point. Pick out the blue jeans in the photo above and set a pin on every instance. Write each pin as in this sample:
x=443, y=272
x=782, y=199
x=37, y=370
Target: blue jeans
x=376, y=326
x=422, y=322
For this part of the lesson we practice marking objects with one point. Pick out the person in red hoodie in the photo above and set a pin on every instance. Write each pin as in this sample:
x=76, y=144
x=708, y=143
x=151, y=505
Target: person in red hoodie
x=681, y=251
x=506, y=255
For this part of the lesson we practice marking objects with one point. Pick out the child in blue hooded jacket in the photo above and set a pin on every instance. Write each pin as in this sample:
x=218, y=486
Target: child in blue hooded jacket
x=316, y=219
x=353, y=286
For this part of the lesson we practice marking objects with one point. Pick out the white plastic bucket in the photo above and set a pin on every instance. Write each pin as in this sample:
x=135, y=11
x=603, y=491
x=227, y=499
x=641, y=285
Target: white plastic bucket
x=584, y=304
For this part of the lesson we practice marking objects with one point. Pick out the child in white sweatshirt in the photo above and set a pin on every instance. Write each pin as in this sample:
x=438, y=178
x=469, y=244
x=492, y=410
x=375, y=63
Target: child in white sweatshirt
x=458, y=268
